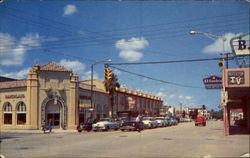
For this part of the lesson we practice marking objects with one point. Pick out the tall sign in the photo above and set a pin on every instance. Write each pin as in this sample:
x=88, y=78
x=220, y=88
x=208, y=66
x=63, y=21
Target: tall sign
x=241, y=50
x=213, y=82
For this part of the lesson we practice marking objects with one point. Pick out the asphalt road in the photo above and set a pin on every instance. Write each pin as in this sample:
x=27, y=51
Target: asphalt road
x=184, y=140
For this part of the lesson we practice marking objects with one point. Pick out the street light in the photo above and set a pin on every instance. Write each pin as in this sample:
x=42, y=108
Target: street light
x=92, y=68
x=212, y=36
x=224, y=88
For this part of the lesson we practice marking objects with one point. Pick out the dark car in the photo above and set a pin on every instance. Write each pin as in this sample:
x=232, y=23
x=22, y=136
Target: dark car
x=132, y=126
x=86, y=126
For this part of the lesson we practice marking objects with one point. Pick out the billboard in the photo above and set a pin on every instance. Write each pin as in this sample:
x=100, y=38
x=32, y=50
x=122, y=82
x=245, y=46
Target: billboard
x=241, y=49
x=213, y=82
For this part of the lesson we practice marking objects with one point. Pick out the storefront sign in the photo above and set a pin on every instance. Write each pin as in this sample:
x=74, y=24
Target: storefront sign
x=235, y=77
x=213, y=82
x=85, y=101
x=241, y=49
x=14, y=96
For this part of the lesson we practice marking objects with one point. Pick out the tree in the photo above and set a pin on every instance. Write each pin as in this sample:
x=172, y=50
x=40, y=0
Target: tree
x=110, y=86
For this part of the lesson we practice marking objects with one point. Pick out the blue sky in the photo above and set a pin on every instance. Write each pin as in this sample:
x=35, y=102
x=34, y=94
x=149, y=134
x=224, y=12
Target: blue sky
x=76, y=34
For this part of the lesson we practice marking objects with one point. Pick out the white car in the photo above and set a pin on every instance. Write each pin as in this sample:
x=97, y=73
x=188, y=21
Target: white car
x=105, y=124
x=149, y=122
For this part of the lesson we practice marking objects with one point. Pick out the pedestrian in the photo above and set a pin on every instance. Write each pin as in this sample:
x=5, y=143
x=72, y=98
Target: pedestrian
x=50, y=125
x=138, y=121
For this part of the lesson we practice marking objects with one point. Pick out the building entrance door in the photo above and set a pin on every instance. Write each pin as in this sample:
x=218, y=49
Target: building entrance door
x=53, y=112
x=55, y=117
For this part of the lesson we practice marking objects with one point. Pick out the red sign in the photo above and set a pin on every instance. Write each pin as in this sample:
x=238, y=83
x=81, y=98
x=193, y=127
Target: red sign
x=213, y=82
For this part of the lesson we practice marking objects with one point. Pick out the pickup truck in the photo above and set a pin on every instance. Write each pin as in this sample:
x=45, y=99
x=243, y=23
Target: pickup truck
x=200, y=120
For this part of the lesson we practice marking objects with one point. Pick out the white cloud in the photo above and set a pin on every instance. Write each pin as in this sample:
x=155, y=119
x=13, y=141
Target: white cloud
x=129, y=49
x=78, y=67
x=160, y=94
x=132, y=44
x=69, y=9
x=12, y=51
x=131, y=55
x=171, y=96
x=180, y=97
x=73, y=65
x=217, y=46
x=117, y=72
x=22, y=74
x=188, y=97
x=87, y=75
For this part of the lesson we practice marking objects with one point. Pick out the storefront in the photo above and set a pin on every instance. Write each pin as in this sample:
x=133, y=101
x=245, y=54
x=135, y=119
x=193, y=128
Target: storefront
x=52, y=92
x=237, y=99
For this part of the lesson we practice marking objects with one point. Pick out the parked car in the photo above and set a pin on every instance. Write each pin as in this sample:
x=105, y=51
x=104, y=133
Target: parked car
x=149, y=122
x=173, y=121
x=132, y=126
x=161, y=122
x=105, y=124
x=87, y=125
x=200, y=120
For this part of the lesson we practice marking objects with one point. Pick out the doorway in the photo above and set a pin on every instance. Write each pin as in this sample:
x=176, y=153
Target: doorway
x=53, y=110
x=55, y=117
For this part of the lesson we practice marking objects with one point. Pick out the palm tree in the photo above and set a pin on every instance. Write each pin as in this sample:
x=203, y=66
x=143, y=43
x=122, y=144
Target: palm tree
x=110, y=86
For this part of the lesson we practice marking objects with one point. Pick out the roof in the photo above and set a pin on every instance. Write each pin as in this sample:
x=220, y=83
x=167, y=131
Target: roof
x=4, y=79
x=52, y=66
x=88, y=87
x=13, y=84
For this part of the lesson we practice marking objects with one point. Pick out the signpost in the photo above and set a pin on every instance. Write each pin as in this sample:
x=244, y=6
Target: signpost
x=213, y=82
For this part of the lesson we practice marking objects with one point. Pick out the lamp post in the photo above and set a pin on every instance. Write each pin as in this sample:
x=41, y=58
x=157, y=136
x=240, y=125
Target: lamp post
x=226, y=111
x=212, y=36
x=92, y=69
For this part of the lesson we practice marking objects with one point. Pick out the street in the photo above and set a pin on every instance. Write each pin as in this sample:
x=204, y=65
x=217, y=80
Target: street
x=183, y=140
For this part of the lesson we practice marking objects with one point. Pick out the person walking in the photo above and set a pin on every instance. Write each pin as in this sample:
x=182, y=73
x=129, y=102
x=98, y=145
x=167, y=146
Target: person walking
x=138, y=123
x=50, y=125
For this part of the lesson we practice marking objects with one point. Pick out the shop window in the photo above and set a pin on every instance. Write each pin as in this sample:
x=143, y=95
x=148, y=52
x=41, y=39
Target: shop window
x=21, y=113
x=7, y=113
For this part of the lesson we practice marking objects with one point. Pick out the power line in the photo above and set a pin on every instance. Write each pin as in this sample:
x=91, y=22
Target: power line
x=151, y=78
x=104, y=42
x=145, y=33
x=126, y=33
x=168, y=62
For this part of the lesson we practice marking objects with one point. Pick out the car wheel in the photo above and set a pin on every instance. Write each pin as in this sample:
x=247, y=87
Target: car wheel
x=107, y=128
x=122, y=130
x=79, y=130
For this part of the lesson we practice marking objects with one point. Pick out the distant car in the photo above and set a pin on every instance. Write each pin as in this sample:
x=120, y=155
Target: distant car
x=132, y=126
x=87, y=125
x=105, y=124
x=149, y=122
x=200, y=120
x=173, y=121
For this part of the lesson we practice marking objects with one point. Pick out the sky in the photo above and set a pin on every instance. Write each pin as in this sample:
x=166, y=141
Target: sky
x=77, y=34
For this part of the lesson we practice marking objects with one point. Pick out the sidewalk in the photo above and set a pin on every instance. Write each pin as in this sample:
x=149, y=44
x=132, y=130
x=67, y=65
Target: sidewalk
x=39, y=131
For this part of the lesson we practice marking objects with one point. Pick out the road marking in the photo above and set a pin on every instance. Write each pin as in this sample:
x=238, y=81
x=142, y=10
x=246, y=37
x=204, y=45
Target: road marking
x=207, y=156
x=245, y=155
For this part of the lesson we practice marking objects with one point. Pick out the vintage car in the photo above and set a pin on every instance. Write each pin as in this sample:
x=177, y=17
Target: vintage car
x=200, y=120
x=149, y=122
x=161, y=122
x=87, y=125
x=105, y=124
x=132, y=126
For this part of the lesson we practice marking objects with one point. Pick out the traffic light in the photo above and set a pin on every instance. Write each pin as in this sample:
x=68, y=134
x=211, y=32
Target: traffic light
x=220, y=63
x=107, y=73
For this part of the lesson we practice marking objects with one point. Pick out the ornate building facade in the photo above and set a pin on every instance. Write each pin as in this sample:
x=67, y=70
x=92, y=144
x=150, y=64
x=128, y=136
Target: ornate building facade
x=54, y=92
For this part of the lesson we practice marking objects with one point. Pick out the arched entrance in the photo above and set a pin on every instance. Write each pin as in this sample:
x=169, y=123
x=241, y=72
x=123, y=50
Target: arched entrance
x=53, y=111
x=54, y=108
